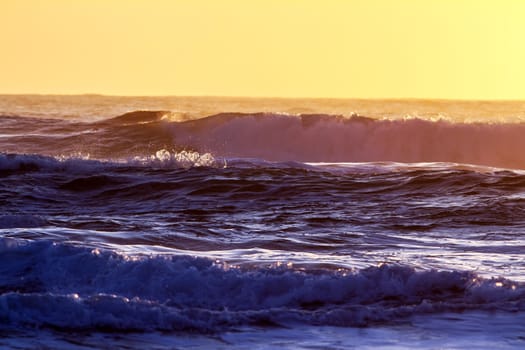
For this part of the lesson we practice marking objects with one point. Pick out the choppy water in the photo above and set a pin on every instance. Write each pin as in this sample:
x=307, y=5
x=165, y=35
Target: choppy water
x=260, y=228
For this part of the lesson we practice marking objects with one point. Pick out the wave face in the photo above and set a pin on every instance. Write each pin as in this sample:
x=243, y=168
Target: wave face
x=273, y=137
x=325, y=138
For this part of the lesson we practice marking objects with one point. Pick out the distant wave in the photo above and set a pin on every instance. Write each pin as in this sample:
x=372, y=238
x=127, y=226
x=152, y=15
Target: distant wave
x=325, y=138
x=138, y=117
x=47, y=284
x=272, y=137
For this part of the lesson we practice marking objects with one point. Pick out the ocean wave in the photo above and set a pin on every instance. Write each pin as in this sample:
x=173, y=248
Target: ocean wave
x=166, y=172
x=274, y=137
x=138, y=117
x=79, y=163
x=46, y=284
x=325, y=138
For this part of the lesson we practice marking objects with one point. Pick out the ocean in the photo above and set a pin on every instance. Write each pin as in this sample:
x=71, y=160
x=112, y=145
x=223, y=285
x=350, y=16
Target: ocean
x=258, y=223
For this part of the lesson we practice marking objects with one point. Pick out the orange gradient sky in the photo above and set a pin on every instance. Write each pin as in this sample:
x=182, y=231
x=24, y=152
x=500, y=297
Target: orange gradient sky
x=457, y=49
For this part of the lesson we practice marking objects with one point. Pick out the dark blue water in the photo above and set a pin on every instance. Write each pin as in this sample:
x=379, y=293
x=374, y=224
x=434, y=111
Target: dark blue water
x=117, y=233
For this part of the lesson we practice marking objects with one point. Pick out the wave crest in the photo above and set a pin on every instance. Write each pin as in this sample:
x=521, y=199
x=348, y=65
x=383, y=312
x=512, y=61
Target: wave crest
x=76, y=163
x=45, y=284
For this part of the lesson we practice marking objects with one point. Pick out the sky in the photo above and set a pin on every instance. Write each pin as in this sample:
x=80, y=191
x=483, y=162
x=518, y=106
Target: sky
x=450, y=49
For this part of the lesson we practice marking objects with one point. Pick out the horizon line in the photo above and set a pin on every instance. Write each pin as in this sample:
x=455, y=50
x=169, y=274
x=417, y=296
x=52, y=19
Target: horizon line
x=270, y=97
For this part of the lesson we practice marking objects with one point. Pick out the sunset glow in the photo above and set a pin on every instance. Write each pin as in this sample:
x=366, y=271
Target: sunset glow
x=266, y=174
x=284, y=48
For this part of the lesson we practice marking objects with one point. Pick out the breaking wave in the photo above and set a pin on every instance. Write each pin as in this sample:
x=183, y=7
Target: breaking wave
x=273, y=137
x=324, y=138
x=78, y=163
x=48, y=284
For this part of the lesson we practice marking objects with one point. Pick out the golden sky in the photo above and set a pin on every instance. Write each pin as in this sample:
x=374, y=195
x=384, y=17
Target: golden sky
x=464, y=49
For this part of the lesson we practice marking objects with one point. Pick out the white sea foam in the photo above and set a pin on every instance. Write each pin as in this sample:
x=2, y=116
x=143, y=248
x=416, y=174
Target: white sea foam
x=183, y=159
x=80, y=163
